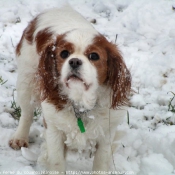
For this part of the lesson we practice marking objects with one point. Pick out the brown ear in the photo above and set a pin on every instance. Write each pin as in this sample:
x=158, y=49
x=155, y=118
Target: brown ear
x=46, y=67
x=118, y=77
x=49, y=77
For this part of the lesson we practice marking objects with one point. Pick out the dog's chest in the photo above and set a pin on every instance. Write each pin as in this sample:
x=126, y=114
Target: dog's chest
x=74, y=139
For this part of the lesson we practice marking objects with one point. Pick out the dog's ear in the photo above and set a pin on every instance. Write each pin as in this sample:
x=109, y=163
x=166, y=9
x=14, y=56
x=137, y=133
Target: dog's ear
x=47, y=62
x=46, y=70
x=48, y=77
x=118, y=77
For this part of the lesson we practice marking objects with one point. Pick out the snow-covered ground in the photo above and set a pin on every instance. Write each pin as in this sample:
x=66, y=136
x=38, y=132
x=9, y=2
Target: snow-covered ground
x=146, y=37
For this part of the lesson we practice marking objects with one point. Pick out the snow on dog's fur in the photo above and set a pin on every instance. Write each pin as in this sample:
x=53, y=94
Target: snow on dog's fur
x=67, y=66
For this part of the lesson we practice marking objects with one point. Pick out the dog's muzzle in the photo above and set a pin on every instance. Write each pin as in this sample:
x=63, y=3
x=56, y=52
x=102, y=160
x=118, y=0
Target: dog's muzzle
x=75, y=63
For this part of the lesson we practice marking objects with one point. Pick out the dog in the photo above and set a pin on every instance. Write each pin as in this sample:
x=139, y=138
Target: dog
x=79, y=78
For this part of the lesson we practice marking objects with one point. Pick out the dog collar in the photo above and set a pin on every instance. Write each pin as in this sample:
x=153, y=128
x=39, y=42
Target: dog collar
x=79, y=114
x=80, y=125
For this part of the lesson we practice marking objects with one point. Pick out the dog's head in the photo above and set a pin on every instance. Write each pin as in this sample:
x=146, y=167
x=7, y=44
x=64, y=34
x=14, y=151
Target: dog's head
x=74, y=65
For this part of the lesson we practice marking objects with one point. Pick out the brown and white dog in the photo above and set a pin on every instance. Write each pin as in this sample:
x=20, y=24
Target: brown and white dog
x=74, y=73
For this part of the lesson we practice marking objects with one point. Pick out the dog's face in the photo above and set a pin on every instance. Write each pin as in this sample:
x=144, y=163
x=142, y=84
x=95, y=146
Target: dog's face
x=82, y=67
x=78, y=63
x=85, y=61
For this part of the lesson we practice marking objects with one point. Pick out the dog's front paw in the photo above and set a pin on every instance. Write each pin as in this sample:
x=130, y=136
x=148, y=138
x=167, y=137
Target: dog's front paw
x=17, y=143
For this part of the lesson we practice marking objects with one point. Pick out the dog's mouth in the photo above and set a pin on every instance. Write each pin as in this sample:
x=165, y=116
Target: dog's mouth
x=76, y=77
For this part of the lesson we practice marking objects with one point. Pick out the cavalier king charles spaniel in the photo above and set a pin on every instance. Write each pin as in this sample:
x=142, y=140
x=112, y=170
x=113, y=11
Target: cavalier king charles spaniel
x=81, y=82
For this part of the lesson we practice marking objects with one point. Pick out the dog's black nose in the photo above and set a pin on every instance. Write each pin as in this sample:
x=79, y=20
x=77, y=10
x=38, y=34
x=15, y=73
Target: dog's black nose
x=75, y=63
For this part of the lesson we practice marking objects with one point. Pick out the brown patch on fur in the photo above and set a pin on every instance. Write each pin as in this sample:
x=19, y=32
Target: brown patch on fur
x=49, y=69
x=96, y=146
x=100, y=64
x=27, y=34
x=42, y=39
x=44, y=122
x=61, y=45
x=116, y=74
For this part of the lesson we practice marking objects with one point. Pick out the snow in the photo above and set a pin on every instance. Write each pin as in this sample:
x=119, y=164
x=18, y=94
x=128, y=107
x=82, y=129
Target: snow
x=160, y=167
x=29, y=155
x=146, y=37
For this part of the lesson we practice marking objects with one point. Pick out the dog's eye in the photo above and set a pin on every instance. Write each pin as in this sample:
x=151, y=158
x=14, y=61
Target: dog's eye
x=64, y=54
x=94, y=56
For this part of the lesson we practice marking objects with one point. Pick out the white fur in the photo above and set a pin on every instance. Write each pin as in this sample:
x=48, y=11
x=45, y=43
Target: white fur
x=63, y=20
x=62, y=126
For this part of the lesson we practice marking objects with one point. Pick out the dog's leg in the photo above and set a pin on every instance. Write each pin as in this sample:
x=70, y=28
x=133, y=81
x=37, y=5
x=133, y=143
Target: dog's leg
x=102, y=157
x=20, y=138
x=55, y=149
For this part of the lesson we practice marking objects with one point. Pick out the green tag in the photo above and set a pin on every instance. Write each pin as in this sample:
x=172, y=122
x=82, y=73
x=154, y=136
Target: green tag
x=81, y=125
